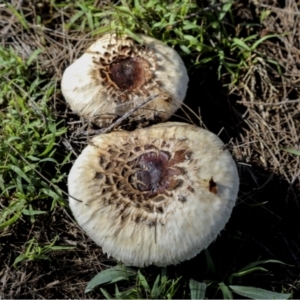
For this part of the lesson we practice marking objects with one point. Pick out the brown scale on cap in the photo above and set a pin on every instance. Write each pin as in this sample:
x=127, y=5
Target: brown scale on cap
x=213, y=188
x=144, y=174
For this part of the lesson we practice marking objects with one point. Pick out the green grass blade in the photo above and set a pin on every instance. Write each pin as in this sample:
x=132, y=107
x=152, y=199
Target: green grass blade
x=291, y=150
x=19, y=259
x=260, y=262
x=225, y=9
x=254, y=46
x=155, y=289
x=18, y=15
x=34, y=56
x=106, y=294
x=225, y=291
x=32, y=212
x=209, y=261
x=21, y=173
x=133, y=36
x=241, y=44
x=143, y=281
x=50, y=144
x=102, y=30
x=10, y=221
x=246, y=272
x=59, y=248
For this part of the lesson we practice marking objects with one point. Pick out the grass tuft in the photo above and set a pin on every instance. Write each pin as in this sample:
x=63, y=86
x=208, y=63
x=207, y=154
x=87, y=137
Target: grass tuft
x=29, y=133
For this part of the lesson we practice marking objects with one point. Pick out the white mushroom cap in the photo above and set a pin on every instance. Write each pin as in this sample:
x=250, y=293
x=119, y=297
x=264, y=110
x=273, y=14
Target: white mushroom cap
x=157, y=195
x=116, y=74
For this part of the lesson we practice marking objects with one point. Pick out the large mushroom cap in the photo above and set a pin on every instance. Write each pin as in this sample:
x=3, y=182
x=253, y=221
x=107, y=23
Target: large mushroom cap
x=157, y=195
x=116, y=74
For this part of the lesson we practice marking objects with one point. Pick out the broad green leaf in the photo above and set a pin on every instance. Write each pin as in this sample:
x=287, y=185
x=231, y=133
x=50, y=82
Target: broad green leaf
x=257, y=293
x=197, y=289
x=119, y=272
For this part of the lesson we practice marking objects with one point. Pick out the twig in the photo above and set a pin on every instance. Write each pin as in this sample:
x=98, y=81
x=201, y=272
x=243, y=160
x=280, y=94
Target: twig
x=120, y=120
x=289, y=11
x=269, y=104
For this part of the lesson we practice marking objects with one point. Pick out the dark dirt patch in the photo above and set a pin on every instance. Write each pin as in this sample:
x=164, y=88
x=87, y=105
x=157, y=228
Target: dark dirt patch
x=65, y=273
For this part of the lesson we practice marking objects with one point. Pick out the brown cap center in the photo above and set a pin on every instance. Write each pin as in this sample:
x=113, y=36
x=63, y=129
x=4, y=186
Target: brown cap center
x=130, y=73
x=155, y=175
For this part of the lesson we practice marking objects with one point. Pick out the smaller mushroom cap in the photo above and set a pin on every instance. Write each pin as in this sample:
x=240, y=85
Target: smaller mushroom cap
x=116, y=74
x=157, y=195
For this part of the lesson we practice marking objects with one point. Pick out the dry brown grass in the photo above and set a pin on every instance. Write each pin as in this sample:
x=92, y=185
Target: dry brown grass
x=272, y=102
x=60, y=46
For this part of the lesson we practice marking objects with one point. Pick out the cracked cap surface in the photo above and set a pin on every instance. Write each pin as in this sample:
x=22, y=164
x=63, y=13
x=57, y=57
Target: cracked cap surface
x=157, y=195
x=116, y=74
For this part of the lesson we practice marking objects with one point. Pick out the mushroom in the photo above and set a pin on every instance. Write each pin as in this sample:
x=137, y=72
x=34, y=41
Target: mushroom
x=157, y=195
x=116, y=74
